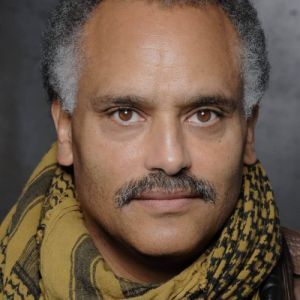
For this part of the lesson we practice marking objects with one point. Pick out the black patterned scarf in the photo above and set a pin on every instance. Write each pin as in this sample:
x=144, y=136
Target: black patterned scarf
x=47, y=253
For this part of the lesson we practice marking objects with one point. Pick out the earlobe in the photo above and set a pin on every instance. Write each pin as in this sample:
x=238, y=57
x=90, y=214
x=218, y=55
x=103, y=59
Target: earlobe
x=62, y=122
x=250, y=152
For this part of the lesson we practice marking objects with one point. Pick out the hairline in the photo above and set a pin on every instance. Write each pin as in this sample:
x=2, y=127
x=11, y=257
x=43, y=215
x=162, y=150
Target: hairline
x=74, y=47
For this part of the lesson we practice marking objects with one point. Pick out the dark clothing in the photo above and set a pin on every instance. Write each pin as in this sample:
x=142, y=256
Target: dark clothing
x=284, y=282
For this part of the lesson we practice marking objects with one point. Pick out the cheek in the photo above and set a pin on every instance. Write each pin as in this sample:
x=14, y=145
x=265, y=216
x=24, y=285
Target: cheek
x=102, y=166
x=221, y=156
x=221, y=162
x=94, y=148
x=95, y=188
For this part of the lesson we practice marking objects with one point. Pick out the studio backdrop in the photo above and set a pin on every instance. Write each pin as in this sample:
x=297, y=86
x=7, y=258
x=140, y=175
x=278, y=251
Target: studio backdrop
x=26, y=129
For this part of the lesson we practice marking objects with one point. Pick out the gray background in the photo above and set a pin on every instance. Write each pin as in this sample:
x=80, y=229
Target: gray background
x=26, y=130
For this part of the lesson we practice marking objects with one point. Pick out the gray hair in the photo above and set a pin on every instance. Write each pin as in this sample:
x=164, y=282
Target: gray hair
x=61, y=61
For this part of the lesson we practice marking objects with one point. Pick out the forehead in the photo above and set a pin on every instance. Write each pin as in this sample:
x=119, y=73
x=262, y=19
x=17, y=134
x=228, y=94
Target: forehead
x=140, y=47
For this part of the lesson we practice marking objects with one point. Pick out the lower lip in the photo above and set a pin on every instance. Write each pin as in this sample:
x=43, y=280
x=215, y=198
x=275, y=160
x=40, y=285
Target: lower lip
x=170, y=205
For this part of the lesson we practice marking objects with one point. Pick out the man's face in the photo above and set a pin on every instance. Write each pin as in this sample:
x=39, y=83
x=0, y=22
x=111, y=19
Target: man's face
x=159, y=95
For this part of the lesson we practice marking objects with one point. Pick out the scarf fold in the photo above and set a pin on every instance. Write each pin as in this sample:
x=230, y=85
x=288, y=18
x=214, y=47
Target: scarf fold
x=46, y=251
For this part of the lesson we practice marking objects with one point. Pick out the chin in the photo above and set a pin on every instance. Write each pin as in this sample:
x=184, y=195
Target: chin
x=170, y=257
x=170, y=244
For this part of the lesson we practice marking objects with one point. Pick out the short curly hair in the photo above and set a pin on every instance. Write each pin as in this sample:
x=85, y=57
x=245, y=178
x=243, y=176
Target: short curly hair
x=61, y=44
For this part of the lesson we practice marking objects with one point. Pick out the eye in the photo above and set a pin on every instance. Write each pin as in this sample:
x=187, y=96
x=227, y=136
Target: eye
x=204, y=117
x=126, y=116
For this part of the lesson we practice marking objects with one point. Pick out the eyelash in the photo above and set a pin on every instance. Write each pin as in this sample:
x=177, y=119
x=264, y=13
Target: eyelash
x=111, y=111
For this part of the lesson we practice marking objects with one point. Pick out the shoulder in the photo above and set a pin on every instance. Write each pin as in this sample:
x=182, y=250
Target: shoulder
x=292, y=238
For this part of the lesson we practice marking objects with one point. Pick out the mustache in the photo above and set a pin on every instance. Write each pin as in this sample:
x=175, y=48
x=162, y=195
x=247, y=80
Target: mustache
x=183, y=182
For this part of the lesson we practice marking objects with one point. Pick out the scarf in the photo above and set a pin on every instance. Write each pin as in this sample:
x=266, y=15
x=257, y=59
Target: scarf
x=46, y=251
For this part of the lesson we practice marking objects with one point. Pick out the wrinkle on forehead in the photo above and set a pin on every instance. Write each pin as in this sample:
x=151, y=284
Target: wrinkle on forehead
x=128, y=36
x=112, y=18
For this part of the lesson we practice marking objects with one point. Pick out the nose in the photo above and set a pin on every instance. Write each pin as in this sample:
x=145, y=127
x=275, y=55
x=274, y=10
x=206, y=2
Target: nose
x=166, y=148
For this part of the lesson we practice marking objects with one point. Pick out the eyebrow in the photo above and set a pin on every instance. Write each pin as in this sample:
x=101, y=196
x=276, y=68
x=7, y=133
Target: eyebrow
x=128, y=100
x=102, y=102
x=229, y=104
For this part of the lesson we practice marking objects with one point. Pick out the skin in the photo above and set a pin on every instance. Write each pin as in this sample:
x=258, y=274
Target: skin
x=166, y=61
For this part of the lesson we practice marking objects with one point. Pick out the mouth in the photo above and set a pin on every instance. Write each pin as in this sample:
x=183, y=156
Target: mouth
x=163, y=202
x=161, y=196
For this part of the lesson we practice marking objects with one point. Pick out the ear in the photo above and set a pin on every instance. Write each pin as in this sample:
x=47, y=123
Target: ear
x=62, y=121
x=249, y=152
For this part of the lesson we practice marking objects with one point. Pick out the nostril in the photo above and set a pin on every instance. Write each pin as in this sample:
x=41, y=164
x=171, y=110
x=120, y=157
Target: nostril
x=169, y=164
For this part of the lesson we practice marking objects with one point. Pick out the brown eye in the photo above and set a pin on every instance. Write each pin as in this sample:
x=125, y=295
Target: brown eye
x=125, y=115
x=204, y=118
x=204, y=115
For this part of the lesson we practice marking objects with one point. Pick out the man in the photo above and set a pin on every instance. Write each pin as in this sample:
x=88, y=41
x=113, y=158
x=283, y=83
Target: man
x=153, y=189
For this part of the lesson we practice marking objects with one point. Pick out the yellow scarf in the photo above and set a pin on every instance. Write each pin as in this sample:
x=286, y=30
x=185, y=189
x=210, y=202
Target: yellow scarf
x=47, y=253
